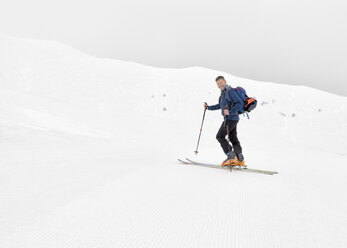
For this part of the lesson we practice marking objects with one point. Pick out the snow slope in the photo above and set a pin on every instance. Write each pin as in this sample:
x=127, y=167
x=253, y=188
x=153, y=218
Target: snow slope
x=89, y=149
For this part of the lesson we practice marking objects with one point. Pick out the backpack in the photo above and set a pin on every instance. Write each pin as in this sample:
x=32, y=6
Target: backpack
x=249, y=102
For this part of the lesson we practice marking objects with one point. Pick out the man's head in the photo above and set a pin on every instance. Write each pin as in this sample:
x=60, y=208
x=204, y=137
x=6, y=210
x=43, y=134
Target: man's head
x=221, y=82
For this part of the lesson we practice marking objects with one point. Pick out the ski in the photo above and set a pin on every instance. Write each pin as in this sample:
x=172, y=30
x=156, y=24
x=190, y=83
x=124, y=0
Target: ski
x=235, y=168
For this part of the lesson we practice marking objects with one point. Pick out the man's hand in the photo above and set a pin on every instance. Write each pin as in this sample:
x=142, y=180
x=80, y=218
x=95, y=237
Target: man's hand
x=205, y=105
x=226, y=112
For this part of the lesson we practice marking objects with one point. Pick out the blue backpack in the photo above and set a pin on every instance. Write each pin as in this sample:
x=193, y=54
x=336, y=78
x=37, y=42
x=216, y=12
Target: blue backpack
x=249, y=103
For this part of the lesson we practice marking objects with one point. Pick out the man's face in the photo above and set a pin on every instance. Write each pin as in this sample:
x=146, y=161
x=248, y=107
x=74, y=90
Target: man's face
x=221, y=83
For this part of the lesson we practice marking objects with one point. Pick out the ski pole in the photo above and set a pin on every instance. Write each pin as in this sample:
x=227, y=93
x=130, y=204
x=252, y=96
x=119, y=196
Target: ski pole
x=203, y=118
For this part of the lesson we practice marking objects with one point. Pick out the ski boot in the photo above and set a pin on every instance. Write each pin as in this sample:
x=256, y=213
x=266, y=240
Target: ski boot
x=230, y=159
x=239, y=161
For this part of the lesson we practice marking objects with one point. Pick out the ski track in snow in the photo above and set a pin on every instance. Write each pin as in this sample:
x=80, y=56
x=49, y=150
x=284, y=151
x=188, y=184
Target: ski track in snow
x=175, y=213
x=224, y=220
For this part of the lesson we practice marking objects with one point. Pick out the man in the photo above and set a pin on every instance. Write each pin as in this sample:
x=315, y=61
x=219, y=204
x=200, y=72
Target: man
x=230, y=104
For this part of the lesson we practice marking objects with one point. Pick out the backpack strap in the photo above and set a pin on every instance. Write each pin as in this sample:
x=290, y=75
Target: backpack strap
x=227, y=88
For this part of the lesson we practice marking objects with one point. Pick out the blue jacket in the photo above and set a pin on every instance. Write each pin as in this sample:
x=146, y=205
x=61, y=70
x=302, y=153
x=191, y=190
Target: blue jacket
x=230, y=99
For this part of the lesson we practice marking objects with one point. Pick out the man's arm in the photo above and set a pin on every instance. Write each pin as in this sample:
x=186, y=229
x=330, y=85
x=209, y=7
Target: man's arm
x=214, y=107
x=238, y=104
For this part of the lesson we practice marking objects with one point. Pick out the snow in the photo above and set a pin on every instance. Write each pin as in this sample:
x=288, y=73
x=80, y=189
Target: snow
x=89, y=148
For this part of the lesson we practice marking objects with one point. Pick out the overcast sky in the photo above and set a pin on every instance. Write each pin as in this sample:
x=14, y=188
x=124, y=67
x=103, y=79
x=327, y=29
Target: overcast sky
x=286, y=41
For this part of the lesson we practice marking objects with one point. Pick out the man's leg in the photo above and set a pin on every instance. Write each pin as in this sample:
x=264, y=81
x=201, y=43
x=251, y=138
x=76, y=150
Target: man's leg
x=221, y=139
x=235, y=142
x=233, y=137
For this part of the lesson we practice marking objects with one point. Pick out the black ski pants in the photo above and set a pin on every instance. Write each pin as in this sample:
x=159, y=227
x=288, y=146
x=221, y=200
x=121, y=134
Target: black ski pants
x=231, y=126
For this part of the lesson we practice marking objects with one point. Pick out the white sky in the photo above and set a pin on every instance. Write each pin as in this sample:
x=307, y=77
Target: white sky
x=286, y=41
